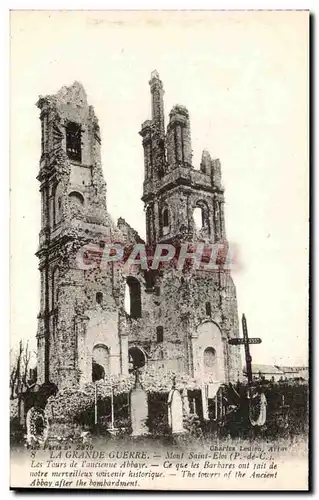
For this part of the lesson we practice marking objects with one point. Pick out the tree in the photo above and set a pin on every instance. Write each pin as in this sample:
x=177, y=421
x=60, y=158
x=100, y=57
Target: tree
x=19, y=369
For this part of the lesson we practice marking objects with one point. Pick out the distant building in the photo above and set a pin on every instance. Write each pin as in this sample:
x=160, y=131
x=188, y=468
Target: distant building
x=295, y=371
x=276, y=373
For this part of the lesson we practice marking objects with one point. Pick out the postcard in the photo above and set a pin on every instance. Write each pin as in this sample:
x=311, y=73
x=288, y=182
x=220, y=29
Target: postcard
x=159, y=250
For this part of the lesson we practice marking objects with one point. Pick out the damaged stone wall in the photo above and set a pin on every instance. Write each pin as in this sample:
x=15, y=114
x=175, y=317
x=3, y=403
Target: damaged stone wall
x=74, y=215
x=178, y=305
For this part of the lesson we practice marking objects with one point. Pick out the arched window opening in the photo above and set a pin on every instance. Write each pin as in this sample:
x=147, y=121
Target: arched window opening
x=100, y=362
x=99, y=297
x=73, y=141
x=165, y=220
x=201, y=216
x=209, y=360
x=76, y=199
x=198, y=218
x=165, y=217
x=208, y=309
x=136, y=358
x=132, y=299
x=98, y=372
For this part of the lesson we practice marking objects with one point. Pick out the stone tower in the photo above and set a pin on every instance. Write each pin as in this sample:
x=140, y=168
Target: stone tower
x=192, y=314
x=78, y=319
x=173, y=189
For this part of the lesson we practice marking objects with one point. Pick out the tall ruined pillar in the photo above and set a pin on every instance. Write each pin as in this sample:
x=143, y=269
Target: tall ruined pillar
x=178, y=141
x=157, y=92
x=157, y=127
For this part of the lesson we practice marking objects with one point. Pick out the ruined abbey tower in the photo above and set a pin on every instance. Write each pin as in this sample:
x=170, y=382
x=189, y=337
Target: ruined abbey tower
x=97, y=320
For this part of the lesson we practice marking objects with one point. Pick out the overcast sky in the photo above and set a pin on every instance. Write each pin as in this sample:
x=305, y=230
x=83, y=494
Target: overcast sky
x=243, y=77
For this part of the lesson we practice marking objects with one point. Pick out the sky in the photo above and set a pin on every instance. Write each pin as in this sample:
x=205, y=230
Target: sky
x=243, y=77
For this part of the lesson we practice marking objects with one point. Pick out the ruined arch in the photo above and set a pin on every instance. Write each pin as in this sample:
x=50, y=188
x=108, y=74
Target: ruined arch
x=201, y=216
x=165, y=220
x=76, y=198
x=165, y=217
x=132, y=300
x=209, y=349
x=73, y=136
x=100, y=362
x=76, y=203
x=137, y=358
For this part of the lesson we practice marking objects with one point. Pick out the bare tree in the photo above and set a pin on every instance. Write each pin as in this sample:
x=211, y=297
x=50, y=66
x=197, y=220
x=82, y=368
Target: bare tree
x=25, y=362
x=19, y=369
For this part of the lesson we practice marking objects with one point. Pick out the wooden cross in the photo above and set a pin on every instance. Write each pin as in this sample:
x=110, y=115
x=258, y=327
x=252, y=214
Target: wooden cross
x=174, y=382
x=246, y=341
x=283, y=406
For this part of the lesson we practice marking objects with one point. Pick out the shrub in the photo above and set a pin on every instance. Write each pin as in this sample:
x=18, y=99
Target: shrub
x=193, y=425
x=16, y=429
x=292, y=418
x=68, y=405
x=158, y=413
x=157, y=381
x=14, y=410
x=119, y=383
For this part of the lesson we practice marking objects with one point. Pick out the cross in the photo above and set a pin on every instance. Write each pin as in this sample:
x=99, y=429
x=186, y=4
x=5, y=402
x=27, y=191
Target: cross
x=174, y=382
x=284, y=413
x=246, y=341
x=283, y=405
